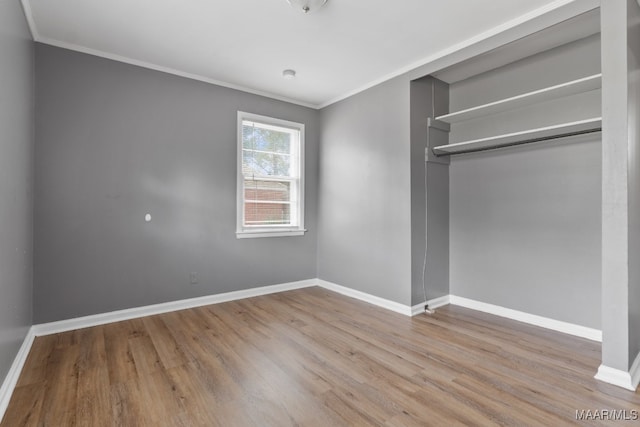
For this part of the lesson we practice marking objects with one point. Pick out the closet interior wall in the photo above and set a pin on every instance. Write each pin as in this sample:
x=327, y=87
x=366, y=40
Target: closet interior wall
x=429, y=194
x=525, y=221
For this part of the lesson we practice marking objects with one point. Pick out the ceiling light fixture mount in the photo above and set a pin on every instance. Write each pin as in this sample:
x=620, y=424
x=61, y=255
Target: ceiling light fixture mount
x=289, y=74
x=308, y=5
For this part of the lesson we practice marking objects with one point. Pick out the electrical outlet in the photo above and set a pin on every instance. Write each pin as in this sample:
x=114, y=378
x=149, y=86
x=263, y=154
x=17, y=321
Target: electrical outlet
x=193, y=278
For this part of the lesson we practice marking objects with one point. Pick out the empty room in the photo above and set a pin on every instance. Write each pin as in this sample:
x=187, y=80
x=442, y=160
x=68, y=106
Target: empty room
x=319, y=212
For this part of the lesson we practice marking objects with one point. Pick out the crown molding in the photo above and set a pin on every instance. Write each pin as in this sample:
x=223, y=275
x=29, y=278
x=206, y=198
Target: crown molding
x=549, y=12
x=172, y=71
x=28, y=14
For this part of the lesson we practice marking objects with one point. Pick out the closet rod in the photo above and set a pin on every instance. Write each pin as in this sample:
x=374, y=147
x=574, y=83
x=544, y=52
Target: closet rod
x=519, y=138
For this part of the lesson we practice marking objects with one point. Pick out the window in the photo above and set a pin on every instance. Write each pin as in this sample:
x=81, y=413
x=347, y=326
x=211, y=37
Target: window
x=270, y=177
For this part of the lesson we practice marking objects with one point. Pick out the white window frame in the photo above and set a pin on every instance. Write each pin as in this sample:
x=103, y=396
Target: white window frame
x=297, y=210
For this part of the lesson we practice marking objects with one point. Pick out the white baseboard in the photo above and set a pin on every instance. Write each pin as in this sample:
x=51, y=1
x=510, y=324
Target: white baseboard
x=149, y=310
x=532, y=319
x=10, y=381
x=628, y=380
x=371, y=299
x=624, y=379
x=432, y=303
x=635, y=367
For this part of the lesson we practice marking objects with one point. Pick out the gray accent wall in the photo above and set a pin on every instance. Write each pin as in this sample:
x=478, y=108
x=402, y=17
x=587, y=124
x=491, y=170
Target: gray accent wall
x=526, y=221
x=16, y=181
x=115, y=142
x=364, y=240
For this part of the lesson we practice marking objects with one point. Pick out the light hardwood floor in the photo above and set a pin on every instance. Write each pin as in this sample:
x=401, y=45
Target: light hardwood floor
x=311, y=357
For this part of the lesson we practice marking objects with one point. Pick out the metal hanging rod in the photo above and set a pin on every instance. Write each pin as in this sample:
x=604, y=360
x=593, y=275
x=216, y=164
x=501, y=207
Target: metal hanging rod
x=563, y=130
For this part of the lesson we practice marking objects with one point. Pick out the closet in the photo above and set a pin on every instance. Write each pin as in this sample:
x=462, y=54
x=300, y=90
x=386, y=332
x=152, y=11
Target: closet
x=514, y=141
x=528, y=157
x=543, y=87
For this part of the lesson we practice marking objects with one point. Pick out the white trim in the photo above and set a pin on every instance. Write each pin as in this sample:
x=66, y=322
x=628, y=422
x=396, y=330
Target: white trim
x=432, y=304
x=163, y=69
x=149, y=310
x=439, y=302
x=28, y=14
x=522, y=137
x=628, y=380
x=362, y=296
x=532, y=319
x=275, y=233
x=502, y=28
x=635, y=367
x=418, y=309
x=297, y=181
x=10, y=381
x=382, y=302
x=614, y=376
x=572, y=87
x=552, y=8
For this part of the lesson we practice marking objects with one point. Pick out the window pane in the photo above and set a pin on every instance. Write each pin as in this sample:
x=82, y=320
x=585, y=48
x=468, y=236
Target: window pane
x=266, y=164
x=259, y=213
x=267, y=190
x=269, y=174
x=257, y=138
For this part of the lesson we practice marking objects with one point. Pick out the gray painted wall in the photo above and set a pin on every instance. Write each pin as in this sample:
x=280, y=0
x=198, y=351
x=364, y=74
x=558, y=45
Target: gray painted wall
x=525, y=229
x=526, y=221
x=615, y=187
x=430, y=261
x=369, y=133
x=559, y=65
x=364, y=240
x=633, y=64
x=128, y=141
x=16, y=181
x=115, y=142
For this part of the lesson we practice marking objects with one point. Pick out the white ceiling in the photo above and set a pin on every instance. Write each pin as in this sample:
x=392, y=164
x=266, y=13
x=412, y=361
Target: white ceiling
x=339, y=50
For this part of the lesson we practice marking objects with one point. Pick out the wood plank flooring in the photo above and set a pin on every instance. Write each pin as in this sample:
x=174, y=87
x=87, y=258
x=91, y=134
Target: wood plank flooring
x=311, y=357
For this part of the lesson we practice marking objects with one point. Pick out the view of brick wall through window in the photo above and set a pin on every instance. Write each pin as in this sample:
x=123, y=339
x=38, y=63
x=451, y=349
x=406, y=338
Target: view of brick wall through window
x=262, y=207
x=271, y=182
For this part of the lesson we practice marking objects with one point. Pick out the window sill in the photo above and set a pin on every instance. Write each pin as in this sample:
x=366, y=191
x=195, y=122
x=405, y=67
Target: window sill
x=269, y=233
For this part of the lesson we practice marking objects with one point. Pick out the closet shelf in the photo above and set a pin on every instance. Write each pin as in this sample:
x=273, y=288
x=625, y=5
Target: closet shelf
x=585, y=84
x=523, y=137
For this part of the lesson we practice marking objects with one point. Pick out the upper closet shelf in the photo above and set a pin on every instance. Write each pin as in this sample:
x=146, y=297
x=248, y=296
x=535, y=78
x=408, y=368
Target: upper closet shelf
x=523, y=137
x=565, y=89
